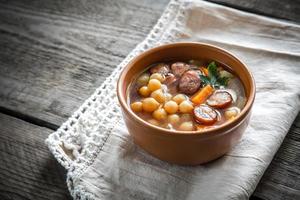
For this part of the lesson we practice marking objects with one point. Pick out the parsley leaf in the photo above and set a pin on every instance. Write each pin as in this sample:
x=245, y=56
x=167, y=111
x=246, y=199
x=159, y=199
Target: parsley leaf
x=205, y=79
x=223, y=80
x=213, y=77
x=212, y=69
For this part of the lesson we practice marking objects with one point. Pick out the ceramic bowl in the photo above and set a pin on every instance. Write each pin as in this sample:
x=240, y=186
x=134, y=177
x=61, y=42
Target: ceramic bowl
x=185, y=147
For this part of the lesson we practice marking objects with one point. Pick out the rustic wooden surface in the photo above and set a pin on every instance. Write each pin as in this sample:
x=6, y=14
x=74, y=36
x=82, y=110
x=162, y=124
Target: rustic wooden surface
x=54, y=54
x=286, y=10
x=27, y=169
x=282, y=178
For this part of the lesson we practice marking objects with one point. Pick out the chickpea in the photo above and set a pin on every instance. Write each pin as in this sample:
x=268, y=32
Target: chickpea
x=179, y=98
x=144, y=91
x=150, y=104
x=137, y=106
x=171, y=107
x=159, y=96
x=186, y=107
x=160, y=114
x=158, y=76
x=186, y=117
x=173, y=119
x=168, y=96
x=186, y=126
x=143, y=79
x=154, y=84
x=231, y=113
x=153, y=122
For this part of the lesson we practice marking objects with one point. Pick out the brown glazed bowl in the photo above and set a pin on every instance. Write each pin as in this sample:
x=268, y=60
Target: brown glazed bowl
x=185, y=147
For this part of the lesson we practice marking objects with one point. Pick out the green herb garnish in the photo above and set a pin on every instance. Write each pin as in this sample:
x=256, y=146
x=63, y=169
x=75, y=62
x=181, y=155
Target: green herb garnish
x=213, y=77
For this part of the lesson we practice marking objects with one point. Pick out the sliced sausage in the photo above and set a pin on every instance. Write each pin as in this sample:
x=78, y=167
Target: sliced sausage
x=160, y=68
x=190, y=82
x=170, y=79
x=219, y=99
x=172, y=82
x=179, y=68
x=204, y=114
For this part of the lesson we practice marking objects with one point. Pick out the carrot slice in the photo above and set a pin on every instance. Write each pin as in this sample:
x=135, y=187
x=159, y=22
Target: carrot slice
x=202, y=95
x=204, y=70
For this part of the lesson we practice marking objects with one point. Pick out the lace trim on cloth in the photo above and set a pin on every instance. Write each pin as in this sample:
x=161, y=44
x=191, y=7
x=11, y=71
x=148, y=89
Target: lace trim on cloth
x=79, y=140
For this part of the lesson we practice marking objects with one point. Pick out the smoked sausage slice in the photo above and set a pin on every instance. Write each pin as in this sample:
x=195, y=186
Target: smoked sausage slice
x=190, y=82
x=179, y=68
x=171, y=82
x=160, y=68
x=219, y=99
x=170, y=79
x=205, y=114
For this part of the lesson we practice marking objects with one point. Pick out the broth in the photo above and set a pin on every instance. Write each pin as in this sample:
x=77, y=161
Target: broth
x=187, y=96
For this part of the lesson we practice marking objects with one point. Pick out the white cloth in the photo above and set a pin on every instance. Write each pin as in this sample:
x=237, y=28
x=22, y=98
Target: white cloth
x=104, y=163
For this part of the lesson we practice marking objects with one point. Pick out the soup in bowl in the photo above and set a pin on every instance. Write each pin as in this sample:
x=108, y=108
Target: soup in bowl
x=187, y=95
x=186, y=103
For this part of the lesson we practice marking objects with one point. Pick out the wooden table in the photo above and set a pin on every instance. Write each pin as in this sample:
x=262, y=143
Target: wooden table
x=54, y=54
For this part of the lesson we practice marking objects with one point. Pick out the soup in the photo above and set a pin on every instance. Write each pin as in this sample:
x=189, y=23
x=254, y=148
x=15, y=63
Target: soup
x=187, y=96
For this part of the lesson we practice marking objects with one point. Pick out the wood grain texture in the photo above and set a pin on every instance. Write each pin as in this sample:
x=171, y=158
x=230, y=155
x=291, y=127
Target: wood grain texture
x=53, y=56
x=287, y=9
x=282, y=178
x=27, y=169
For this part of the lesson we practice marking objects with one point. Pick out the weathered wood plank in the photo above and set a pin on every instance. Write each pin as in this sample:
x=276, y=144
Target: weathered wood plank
x=27, y=168
x=282, y=178
x=54, y=55
x=288, y=9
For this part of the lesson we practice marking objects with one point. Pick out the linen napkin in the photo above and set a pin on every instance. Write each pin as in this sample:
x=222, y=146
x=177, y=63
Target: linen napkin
x=104, y=163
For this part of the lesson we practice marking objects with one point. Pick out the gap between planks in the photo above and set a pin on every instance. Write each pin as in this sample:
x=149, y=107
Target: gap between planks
x=28, y=118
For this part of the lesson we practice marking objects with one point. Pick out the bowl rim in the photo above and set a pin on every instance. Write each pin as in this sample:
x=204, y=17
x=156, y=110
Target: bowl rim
x=209, y=132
